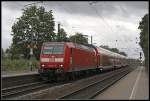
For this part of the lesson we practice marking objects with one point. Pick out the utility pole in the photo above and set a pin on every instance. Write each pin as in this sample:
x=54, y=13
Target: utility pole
x=58, y=35
x=91, y=40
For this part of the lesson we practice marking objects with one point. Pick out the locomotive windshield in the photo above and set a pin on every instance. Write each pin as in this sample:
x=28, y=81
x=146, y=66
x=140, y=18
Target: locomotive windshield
x=53, y=49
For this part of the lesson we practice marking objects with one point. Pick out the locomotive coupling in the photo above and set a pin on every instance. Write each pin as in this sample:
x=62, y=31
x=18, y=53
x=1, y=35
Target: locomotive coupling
x=59, y=70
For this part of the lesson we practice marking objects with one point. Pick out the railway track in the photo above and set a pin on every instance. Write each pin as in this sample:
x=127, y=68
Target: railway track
x=15, y=80
x=22, y=89
x=16, y=86
x=35, y=85
x=20, y=84
x=91, y=90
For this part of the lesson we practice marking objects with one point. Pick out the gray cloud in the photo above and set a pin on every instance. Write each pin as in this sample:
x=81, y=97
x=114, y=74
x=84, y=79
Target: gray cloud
x=84, y=8
x=123, y=17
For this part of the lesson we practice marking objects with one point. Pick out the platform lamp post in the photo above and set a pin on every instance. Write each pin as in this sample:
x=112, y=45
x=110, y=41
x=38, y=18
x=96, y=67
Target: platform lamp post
x=140, y=52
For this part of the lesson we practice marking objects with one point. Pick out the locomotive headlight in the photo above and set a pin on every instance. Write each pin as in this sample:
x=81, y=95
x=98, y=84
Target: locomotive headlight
x=61, y=65
x=43, y=65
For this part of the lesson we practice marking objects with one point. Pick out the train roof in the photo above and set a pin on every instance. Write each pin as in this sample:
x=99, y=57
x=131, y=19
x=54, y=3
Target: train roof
x=105, y=51
x=74, y=45
x=110, y=53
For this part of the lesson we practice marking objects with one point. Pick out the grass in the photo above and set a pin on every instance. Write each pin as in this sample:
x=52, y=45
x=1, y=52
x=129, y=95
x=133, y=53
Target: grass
x=18, y=64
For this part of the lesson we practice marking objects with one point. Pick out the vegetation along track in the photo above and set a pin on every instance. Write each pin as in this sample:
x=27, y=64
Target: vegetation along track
x=91, y=90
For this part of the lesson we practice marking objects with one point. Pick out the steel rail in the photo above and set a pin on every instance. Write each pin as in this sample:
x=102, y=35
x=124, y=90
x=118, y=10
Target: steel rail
x=15, y=80
x=77, y=94
x=29, y=89
x=9, y=89
x=23, y=89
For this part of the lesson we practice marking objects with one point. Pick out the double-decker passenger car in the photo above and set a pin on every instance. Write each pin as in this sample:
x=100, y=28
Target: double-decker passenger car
x=109, y=60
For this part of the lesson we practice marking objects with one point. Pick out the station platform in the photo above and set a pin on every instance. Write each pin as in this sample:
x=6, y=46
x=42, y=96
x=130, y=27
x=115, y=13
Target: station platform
x=17, y=73
x=134, y=86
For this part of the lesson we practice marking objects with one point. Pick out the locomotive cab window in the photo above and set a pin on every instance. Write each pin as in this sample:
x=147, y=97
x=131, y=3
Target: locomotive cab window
x=53, y=49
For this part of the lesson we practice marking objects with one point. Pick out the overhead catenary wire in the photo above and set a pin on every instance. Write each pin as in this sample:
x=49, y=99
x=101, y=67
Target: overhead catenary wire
x=95, y=9
x=127, y=45
x=138, y=50
x=72, y=27
x=105, y=22
x=100, y=22
x=78, y=27
x=122, y=8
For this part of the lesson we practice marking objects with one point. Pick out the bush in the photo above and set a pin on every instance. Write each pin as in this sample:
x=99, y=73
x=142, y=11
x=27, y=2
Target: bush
x=17, y=64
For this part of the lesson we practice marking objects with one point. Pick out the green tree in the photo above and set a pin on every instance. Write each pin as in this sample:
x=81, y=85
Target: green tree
x=104, y=46
x=78, y=38
x=143, y=26
x=123, y=53
x=2, y=53
x=7, y=53
x=114, y=50
x=34, y=26
x=62, y=35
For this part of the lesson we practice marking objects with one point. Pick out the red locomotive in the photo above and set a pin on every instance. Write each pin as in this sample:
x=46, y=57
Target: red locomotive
x=67, y=58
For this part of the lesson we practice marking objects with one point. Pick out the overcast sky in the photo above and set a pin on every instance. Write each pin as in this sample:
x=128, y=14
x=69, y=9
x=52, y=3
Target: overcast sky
x=105, y=21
